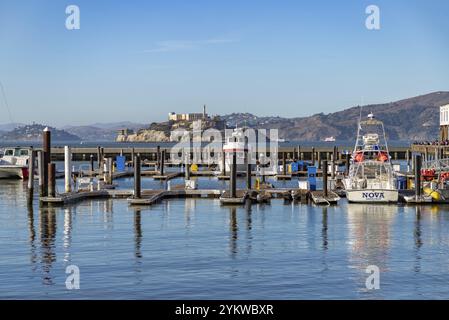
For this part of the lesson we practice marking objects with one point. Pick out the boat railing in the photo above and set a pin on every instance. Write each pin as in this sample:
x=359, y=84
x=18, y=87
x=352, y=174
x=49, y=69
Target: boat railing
x=439, y=164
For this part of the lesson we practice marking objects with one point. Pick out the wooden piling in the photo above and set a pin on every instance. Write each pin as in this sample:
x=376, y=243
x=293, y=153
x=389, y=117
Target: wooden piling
x=284, y=164
x=137, y=181
x=347, y=163
x=158, y=158
x=325, y=177
x=407, y=157
x=162, y=162
x=418, y=163
x=233, y=182
x=99, y=157
x=110, y=165
x=51, y=180
x=333, y=166
x=313, y=156
x=67, y=169
x=40, y=169
x=132, y=157
x=101, y=160
x=31, y=175
x=248, y=170
x=223, y=163
x=46, y=147
x=319, y=159
x=31, y=160
x=92, y=163
x=334, y=154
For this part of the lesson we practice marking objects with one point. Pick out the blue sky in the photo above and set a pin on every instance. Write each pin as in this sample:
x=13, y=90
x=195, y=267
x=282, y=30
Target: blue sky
x=139, y=60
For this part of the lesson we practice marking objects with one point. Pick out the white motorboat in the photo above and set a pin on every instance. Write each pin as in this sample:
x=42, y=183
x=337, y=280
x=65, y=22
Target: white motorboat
x=371, y=175
x=329, y=139
x=236, y=142
x=14, y=163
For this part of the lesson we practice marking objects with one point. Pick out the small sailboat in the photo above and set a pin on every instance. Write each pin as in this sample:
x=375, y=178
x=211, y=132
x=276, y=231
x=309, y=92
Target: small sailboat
x=371, y=175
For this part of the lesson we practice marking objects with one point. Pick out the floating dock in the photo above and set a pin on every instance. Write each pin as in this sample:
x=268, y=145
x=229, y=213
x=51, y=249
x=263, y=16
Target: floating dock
x=239, y=198
x=319, y=197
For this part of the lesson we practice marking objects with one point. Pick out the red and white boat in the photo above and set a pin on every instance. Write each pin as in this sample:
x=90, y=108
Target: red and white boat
x=14, y=163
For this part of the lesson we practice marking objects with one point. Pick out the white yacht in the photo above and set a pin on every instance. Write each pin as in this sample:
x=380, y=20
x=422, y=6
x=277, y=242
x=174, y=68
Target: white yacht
x=14, y=163
x=371, y=176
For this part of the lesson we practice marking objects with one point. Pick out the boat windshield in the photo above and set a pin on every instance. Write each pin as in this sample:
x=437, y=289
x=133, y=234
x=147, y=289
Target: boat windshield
x=372, y=170
x=16, y=152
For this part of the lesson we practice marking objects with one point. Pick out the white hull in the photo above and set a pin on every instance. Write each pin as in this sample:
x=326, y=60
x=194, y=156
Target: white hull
x=372, y=195
x=11, y=172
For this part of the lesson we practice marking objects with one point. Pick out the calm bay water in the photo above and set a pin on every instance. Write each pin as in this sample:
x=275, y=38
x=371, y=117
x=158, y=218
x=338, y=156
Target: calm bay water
x=197, y=249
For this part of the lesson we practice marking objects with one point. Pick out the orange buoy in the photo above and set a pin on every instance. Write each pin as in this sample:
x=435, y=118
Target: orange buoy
x=382, y=156
x=359, y=157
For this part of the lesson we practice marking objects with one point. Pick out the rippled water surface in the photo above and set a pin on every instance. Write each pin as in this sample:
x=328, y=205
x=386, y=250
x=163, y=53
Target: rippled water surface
x=197, y=249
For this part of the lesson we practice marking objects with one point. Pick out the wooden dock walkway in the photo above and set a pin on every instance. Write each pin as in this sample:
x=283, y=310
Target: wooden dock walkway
x=167, y=176
x=148, y=196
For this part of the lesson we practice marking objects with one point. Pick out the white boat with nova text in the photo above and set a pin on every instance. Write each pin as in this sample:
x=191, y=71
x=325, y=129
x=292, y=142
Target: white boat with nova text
x=371, y=175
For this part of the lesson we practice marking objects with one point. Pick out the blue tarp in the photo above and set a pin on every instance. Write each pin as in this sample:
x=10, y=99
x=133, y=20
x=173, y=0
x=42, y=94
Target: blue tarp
x=311, y=178
x=120, y=162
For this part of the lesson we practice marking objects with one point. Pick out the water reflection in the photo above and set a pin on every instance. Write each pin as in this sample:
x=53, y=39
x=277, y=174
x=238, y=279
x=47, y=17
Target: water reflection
x=107, y=213
x=249, y=237
x=13, y=192
x=324, y=229
x=417, y=235
x=234, y=230
x=137, y=234
x=369, y=233
x=32, y=236
x=47, y=227
x=67, y=234
x=189, y=211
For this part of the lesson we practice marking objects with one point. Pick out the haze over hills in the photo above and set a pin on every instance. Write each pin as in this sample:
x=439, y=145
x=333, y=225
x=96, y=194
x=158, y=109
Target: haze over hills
x=33, y=132
x=414, y=118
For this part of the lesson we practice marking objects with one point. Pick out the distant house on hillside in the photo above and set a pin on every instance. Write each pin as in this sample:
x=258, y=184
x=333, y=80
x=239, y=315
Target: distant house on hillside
x=444, y=122
x=125, y=132
x=172, y=116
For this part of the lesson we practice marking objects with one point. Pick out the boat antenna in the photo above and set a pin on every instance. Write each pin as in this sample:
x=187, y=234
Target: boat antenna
x=6, y=101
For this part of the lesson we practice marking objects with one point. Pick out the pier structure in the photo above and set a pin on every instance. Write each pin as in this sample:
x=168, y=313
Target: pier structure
x=327, y=162
x=152, y=155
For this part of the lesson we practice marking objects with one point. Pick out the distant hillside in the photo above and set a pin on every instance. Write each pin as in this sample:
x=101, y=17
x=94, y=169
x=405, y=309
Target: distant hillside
x=33, y=132
x=90, y=133
x=101, y=131
x=10, y=126
x=409, y=119
x=116, y=125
